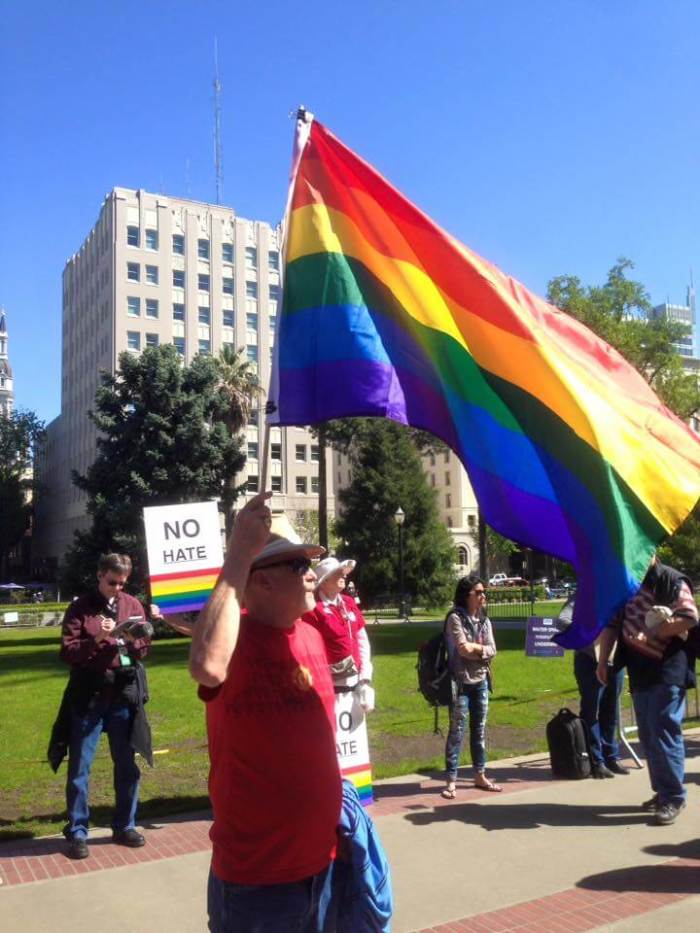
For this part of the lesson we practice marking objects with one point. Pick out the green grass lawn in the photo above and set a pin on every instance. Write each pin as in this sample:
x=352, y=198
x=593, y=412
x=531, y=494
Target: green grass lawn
x=528, y=692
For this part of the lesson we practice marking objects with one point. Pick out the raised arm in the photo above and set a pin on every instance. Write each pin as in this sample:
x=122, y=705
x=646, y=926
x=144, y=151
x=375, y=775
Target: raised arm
x=216, y=632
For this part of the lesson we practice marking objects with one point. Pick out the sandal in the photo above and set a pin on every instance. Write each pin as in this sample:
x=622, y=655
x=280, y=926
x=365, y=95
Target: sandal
x=449, y=793
x=488, y=785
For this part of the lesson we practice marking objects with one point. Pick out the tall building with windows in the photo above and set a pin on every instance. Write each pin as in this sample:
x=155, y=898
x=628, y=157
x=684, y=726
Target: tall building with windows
x=156, y=269
x=689, y=345
x=7, y=392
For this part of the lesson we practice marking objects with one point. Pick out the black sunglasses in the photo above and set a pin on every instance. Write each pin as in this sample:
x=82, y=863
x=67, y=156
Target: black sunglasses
x=299, y=566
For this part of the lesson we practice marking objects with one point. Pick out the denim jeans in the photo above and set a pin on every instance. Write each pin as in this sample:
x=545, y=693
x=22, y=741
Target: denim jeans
x=115, y=719
x=659, y=711
x=599, y=707
x=299, y=907
x=473, y=698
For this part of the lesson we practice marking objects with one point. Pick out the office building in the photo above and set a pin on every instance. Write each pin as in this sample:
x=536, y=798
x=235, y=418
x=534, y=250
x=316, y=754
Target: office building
x=7, y=392
x=156, y=269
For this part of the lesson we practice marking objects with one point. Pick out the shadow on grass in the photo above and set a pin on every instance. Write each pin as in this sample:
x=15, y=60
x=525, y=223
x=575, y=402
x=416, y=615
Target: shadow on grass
x=157, y=809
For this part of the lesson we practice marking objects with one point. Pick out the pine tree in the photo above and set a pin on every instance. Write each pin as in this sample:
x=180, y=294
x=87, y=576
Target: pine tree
x=164, y=439
x=387, y=474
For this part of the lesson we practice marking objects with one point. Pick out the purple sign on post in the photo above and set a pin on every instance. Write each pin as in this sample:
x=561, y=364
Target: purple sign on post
x=538, y=635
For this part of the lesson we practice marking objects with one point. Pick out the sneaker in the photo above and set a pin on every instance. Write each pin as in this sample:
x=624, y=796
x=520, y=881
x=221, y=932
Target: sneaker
x=129, y=838
x=667, y=813
x=77, y=847
x=651, y=805
x=617, y=767
x=600, y=771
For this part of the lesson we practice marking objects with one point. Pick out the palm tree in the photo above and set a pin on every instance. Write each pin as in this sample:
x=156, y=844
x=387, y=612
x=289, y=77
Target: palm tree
x=238, y=380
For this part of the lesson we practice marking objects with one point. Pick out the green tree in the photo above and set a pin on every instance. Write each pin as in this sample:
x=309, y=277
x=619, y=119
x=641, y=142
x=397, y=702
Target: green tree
x=20, y=433
x=164, y=438
x=239, y=383
x=498, y=549
x=620, y=312
x=387, y=473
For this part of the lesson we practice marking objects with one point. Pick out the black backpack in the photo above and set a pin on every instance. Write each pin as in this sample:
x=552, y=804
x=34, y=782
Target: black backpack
x=434, y=679
x=567, y=738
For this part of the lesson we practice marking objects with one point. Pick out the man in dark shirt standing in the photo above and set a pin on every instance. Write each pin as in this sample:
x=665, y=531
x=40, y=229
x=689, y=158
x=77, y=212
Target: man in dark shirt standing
x=660, y=665
x=105, y=692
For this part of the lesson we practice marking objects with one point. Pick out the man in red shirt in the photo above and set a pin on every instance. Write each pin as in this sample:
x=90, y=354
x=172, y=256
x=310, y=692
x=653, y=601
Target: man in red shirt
x=274, y=781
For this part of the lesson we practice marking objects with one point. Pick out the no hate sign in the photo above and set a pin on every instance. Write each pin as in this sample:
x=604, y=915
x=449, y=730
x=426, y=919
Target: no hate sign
x=184, y=553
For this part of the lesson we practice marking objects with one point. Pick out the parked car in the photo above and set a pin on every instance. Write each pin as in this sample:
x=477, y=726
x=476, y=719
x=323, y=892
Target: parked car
x=498, y=579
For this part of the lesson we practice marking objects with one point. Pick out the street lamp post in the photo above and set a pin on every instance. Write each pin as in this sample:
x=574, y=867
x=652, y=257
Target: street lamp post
x=400, y=518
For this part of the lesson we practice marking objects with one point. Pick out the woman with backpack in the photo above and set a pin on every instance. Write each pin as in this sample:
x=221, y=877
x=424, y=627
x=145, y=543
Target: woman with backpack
x=470, y=647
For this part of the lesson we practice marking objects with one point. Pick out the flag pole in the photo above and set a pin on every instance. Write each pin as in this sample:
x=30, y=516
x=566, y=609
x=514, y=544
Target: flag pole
x=304, y=118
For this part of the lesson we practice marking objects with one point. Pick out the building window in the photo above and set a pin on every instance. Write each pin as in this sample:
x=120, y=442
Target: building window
x=133, y=272
x=315, y=486
x=432, y=460
x=274, y=292
x=133, y=306
x=253, y=417
x=471, y=521
x=432, y=479
x=132, y=236
x=461, y=555
x=178, y=312
x=315, y=453
x=203, y=249
x=133, y=340
x=205, y=347
x=151, y=340
x=152, y=275
x=179, y=344
x=449, y=522
x=301, y=484
x=447, y=456
x=252, y=483
x=178, y=278
x=300, y=453
x=227, y=286
x=151, y=239
x=178, y=244
x=251, y=353
x=275, y=451
x=251, y=320
x=251, y=257
x=273, y=322
x=151, y=307
x=448, y=500
x=276, y=484
x=203, y=282
x=273, y=260
x=228, y=318
x=447, y=479
x=227, y=252
x=203, y=315
x=251, y=289
x=252, y=450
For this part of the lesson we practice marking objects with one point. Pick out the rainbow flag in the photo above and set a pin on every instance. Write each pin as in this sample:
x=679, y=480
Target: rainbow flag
x=183, y=591
x=361, y=777
x=567, y=447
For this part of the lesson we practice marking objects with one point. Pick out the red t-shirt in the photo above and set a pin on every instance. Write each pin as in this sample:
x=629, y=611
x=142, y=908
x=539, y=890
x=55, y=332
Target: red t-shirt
x=338, y=626
x=274, y=781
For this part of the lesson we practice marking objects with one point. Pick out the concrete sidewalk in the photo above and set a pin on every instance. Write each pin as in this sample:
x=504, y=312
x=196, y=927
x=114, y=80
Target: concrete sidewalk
x=543, y=855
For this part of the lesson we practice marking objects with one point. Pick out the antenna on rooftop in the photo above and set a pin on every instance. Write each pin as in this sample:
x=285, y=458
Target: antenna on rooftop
x=218, y=161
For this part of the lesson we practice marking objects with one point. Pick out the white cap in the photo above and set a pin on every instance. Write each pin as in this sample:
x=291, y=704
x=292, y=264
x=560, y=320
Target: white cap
x=279, y=549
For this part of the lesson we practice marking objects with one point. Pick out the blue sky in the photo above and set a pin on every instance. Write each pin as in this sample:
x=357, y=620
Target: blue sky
x=551, y=137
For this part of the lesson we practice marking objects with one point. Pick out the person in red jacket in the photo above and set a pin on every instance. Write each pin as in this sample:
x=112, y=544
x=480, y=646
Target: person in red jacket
x=342, y=626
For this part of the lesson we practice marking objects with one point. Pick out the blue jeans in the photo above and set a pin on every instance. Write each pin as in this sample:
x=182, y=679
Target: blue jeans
x=299, y=907
x=659, y=711
x=115, y=719
x=475, y=699
x=599, y=707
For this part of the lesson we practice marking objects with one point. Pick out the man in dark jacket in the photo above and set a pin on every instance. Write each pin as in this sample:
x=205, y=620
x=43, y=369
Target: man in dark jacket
x=660, y=665
x=104, y=693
